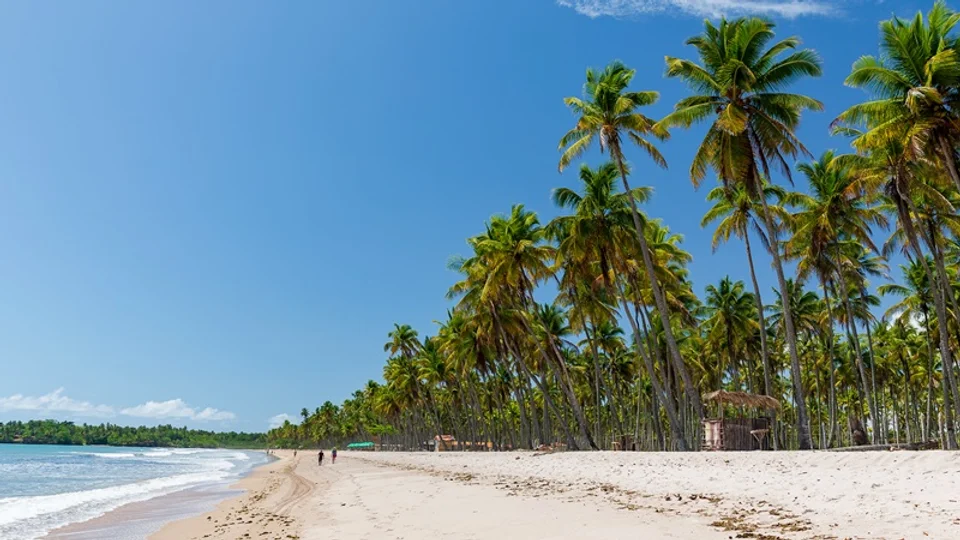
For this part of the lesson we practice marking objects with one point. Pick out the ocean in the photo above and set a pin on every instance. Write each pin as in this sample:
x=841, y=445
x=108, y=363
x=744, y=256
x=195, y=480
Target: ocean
x=44, y=487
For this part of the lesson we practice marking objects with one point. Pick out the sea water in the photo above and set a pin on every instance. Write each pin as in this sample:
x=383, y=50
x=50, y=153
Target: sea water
x=46, y=487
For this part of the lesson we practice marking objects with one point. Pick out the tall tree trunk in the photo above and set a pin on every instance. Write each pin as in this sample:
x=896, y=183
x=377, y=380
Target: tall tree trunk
x=950, y=159
x=803, y=417
x=873, y=367
x=545, y=431
x=831, y=368
x=927, y=427
x=940, y=307
x=764, y=350
x=563, y=376
x=946, y=289
x=525, y=372
x=436, y=414
x=907, y=392
x=864, y=380
x=667, y=401
x=530, y=426
x=563, y=381
x=674, y=351
x=819, y=399
x=547, y=400
x=596, y=371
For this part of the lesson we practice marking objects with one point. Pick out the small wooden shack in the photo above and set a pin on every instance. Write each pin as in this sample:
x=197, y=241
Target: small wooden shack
x=625, y=442
x=449, y=443
x=743, y=431
x=444, y=443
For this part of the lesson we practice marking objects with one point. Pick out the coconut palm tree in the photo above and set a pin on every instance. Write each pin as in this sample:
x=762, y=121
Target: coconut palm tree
x=915, y=305
x=609, y=114
x=913, y=86
x=590, y=242
x=887, y=168
x=735, y=210
x=739, y=82
x=599, y=238
x=838, y=211
x=509, y=260
x=403, y=340
x=729, y=318
x=808, y=314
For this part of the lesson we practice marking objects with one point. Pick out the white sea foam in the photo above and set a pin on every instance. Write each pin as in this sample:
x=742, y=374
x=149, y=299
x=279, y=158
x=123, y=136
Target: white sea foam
x=109, y=455
x=27, y=517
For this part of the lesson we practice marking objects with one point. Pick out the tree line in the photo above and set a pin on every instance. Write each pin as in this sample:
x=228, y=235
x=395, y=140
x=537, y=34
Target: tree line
x=69, y=433
x=627, y=347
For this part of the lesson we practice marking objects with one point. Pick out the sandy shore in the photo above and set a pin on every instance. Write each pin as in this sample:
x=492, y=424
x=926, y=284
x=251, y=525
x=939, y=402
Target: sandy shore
x=592, y=496
x=262, y=511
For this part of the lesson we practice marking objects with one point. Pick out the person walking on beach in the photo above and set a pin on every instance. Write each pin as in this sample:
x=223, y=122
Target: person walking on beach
x=333, y=454
x=320, y=458
x=294, y=452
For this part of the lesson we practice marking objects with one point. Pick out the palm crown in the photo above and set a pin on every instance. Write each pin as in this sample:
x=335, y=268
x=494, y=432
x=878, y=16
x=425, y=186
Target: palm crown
x=607, y=112
x=738, y=81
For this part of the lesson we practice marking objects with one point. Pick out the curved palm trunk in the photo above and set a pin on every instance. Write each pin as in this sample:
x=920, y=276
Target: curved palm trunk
x=674, y=351
x=803, y=418
x=947, y=291
x=666, y=400
x=940, y=307
x=566, y=386
x=548, y=401
x=563, y=376
x=950, y=158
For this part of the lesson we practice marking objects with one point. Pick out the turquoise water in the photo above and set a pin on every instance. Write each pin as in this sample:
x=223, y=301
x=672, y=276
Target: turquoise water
x=43, y=487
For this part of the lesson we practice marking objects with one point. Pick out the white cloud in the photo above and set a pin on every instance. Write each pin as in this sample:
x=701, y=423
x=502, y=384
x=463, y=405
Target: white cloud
x=701, y=8
x=58, y=404
x=54, y=402
x=176, y=408
x=278, y=420
x=215, y=414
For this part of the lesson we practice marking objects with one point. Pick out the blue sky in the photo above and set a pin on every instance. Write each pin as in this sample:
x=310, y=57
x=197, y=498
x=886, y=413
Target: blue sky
x=212, y=213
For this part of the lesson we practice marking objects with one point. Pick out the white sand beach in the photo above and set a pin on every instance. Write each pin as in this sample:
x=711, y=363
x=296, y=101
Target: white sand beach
x=768, y=495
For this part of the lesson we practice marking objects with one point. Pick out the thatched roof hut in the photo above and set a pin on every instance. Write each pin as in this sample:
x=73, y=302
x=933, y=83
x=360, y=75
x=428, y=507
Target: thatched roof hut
x=743, y=399
x=742, y=432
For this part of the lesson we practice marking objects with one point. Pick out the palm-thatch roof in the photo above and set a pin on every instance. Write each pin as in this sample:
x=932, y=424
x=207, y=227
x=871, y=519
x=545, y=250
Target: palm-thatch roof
x=743, y=399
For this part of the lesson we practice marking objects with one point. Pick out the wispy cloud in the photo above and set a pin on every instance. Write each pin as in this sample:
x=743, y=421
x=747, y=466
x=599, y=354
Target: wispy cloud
x=53, y=403
x=176, y=408
x=701, y=8
x=58, y=404
x=277, y=420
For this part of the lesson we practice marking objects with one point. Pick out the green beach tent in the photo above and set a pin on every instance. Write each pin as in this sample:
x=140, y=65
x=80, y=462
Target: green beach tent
x=360, y=446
